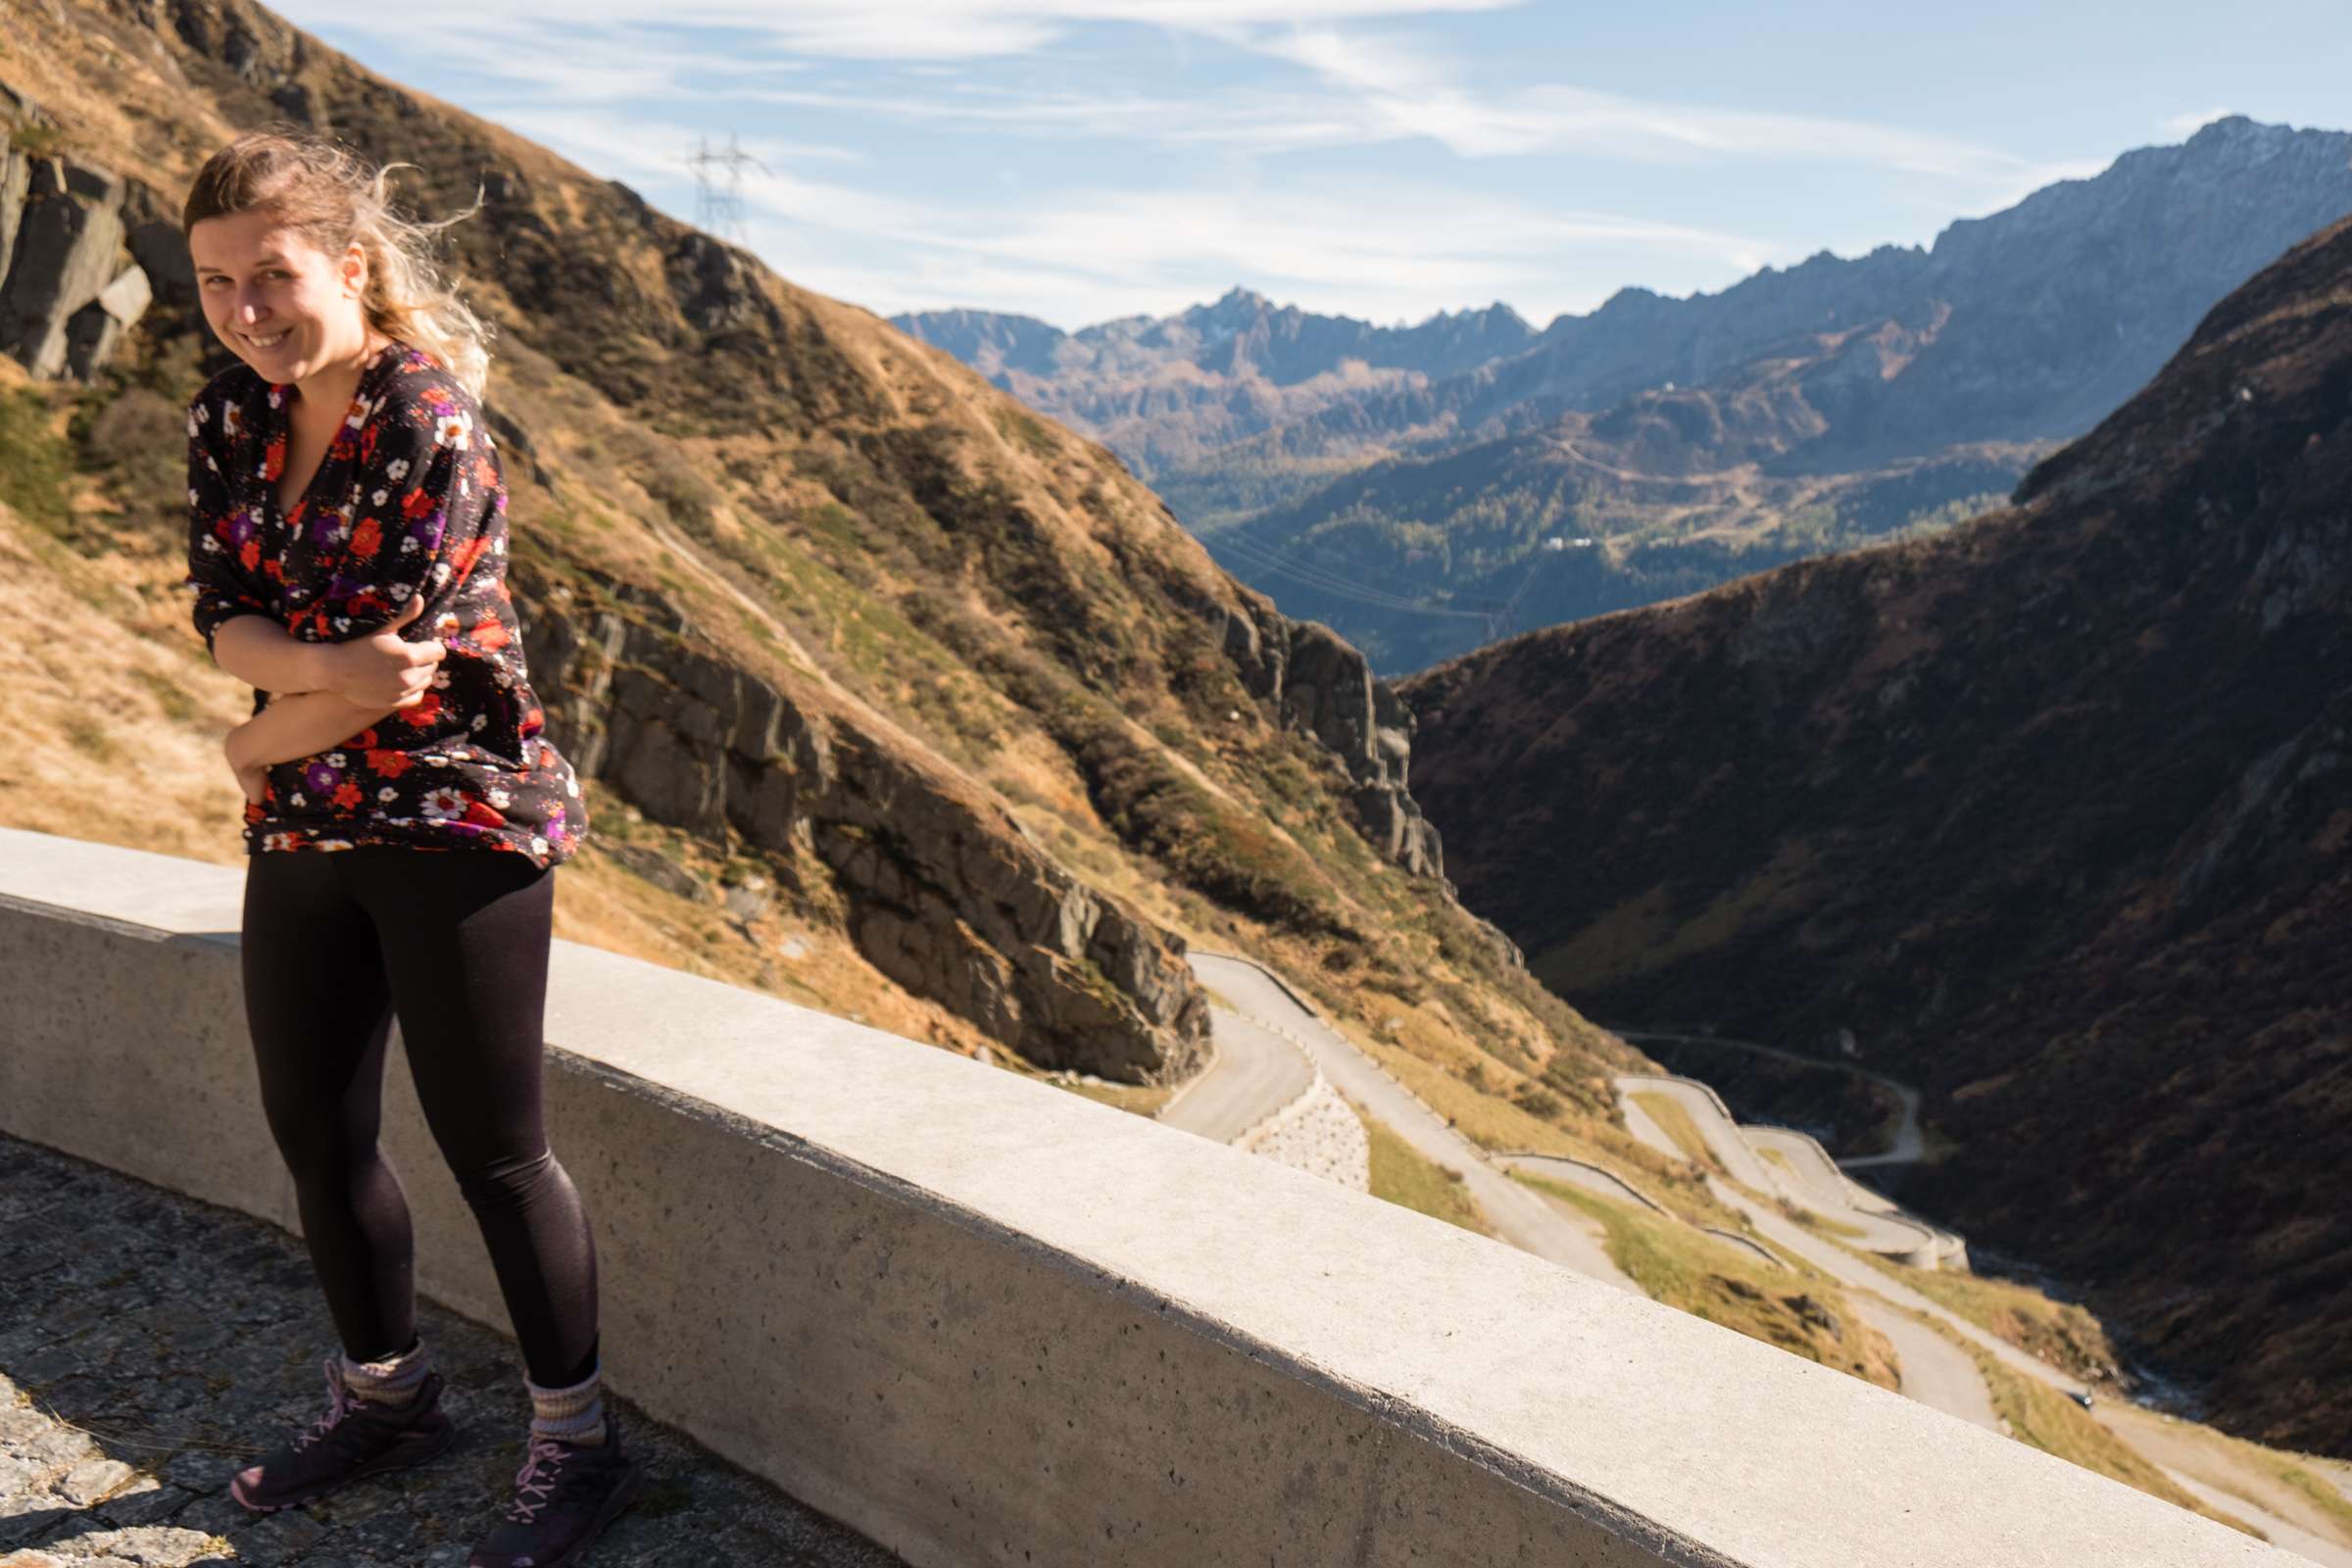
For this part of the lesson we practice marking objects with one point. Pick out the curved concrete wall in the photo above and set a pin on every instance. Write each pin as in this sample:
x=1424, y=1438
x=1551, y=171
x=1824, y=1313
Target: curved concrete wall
x=985, y=1322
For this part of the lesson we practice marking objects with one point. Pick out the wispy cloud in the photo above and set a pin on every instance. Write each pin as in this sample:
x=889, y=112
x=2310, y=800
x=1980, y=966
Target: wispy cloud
x=1077, y=159
x=1361, y=86
x=1070, y=252
x=1405, y=90
x=873, y=29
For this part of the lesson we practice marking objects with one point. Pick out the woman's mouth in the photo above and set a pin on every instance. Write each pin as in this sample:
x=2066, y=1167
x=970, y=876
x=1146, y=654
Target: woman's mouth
x=269, y=342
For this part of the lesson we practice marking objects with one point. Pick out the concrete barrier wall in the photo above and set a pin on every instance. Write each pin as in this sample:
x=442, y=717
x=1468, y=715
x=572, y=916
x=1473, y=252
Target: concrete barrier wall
x=987, y=1322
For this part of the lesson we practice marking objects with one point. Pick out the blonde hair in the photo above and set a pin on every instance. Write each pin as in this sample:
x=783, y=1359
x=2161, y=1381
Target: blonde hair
x=332, y=196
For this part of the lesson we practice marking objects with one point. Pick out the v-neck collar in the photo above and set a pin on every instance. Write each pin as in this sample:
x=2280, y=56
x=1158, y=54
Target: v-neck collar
x=280, y=427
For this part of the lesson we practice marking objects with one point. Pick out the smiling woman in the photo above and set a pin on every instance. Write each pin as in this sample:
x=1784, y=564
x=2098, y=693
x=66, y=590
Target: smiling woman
x=404, y=818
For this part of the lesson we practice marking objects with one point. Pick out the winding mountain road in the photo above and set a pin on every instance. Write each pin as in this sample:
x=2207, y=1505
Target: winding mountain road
x=1269, y=1043
x=1521, y=1216
x=1254, y=1073
x=1910, y=1145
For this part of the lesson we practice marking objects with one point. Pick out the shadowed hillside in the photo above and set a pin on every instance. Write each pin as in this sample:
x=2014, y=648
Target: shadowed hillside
x=2050, y=811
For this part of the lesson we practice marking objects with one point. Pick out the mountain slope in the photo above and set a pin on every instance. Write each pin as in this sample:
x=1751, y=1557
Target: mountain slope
x=1800, y=411
x=847, y=641
x=2050, y=811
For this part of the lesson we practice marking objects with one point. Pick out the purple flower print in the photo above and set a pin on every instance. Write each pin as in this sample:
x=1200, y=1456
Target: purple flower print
x=320, y=778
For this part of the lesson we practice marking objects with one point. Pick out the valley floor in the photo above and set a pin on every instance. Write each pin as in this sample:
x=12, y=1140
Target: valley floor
x=1947, y=1361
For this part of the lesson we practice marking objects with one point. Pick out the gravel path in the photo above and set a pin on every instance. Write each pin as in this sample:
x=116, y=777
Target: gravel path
x=1520, y=1216
x=148, y=1341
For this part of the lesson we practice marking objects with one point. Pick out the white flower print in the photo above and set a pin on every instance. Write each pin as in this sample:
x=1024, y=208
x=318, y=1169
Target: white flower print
x=442, y=803
x=453, y=430
x=397, y=469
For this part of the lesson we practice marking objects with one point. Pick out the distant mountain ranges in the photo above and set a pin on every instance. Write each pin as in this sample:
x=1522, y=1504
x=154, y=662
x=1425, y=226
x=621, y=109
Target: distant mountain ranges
x=2053, y=812
x=1373, y=477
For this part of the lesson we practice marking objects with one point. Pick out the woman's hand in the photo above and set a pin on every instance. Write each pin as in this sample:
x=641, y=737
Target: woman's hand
x=253, y=777
x=382, y=669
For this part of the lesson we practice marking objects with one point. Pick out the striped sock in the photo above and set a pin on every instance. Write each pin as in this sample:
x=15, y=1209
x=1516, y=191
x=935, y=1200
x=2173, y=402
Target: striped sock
x=391, y=1381
x=570, y=1415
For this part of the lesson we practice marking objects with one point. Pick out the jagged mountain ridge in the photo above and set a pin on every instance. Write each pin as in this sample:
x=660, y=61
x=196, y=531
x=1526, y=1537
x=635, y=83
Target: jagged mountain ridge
x=1165, y=389
x=811, y=592
x=1837, y=399
x=2048, y=810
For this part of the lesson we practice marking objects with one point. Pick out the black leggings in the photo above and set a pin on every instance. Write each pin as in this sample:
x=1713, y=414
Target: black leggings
x=455, y=942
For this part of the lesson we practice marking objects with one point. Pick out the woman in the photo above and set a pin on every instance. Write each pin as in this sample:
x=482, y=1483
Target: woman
x=404, y=816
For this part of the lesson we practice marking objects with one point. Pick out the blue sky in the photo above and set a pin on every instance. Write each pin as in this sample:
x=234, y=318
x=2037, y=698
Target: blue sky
x=1078, y=159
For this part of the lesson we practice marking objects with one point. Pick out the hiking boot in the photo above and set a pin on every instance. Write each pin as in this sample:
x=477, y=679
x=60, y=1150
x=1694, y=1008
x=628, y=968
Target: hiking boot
x=565, y=1496
x=355, y=1438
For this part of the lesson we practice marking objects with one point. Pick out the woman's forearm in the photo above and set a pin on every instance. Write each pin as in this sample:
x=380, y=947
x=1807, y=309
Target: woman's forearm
x=262, y=654
x=299, y=725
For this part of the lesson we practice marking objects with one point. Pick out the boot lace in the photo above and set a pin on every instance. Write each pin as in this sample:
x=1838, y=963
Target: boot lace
x=340, y=1404
x=536, y=1481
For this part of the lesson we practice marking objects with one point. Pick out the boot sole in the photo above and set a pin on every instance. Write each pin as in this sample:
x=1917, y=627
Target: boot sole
x=373, y=1467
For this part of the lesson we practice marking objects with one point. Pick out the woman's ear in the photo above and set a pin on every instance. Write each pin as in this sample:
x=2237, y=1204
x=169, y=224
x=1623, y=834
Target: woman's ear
x=355, y=270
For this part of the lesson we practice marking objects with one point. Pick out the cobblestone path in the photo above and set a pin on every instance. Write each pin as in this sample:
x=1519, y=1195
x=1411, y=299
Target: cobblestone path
x=148, y=1343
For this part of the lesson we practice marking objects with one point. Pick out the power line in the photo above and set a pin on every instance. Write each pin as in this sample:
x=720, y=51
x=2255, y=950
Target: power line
x=1317, y=577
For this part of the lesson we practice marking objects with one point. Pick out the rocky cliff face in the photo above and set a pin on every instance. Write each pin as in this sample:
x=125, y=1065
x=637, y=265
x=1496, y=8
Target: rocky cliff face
x=2049, y=812
x=1325, y=688
x=944, y=892
x=81, y=253
x=803, y=589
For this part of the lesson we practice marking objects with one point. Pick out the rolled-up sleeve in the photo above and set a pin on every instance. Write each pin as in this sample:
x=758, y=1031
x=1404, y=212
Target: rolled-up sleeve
x=223, y=548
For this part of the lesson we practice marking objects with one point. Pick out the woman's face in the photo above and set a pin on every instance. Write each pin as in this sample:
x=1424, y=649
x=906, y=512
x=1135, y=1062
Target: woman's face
x=280, y=304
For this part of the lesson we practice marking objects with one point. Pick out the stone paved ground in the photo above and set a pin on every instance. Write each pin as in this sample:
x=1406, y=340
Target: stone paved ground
x=148, y=1343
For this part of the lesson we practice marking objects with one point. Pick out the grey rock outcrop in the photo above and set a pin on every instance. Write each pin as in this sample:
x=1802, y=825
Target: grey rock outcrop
x=69, y=286
x=945, y=894
x=1324, y=687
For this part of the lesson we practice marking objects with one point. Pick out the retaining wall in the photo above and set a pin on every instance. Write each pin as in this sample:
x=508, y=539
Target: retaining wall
x=987, y=1322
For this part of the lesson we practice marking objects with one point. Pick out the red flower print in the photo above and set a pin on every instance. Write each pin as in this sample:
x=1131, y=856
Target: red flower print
x=468, y=553
x=249, y=555
x=273, y=459
x=348, y=796
x=388, y=765
x=366, y=539
x=425, y=712
x=483, y=814
x=415, y=503
x=490, y=634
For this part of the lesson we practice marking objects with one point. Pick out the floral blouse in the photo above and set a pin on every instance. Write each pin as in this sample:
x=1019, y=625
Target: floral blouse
x=407, y=499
